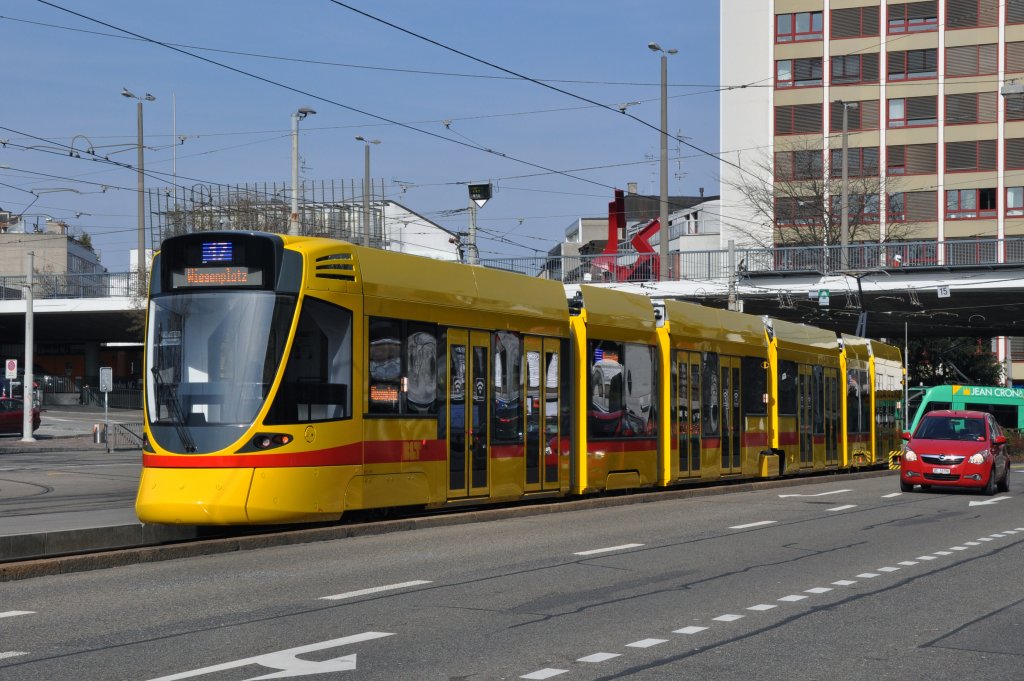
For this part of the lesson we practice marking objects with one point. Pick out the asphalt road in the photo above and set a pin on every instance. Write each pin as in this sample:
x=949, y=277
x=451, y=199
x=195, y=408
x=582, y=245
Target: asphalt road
x=839, y=579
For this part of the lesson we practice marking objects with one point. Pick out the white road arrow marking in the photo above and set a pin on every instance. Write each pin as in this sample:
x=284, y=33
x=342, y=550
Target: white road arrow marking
x=287, y=661
x=821, y=494
x=988, y=502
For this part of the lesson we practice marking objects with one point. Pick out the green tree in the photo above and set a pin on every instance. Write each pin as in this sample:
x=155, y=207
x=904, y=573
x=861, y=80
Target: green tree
x=936, y=361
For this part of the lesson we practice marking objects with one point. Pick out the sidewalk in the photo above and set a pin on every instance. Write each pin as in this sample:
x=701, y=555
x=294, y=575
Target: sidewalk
x=67, y=428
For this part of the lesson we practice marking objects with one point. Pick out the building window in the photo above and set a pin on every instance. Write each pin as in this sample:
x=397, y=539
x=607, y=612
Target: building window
x=1014, y=153
x=908, y=112
x=864, y=116
x=792, y=211
x=798, y=119
x=972, y=60
x=913, y=17
x=860, y=161
x=971, y=13
x=912, y=206
x=1015, y=57
x=798, y=72
x=854, y=22
x=863, y=208
x=1015, y=11
x=969, y=156
x=971, y=107
x=911, y=159
x=796, y=27
x=1015, y=202
x=969, y=204
x=912, y=64
x=798, y=165
x=850, y=69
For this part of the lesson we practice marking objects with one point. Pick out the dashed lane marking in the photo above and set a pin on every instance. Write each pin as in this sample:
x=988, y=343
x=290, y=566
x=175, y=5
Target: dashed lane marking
x=749, y=525
x=762, y=606
x=374, y=590
x=844, y=582
x=868, y=575
x=689, y=631
x=842, y=508
x=15, y=613
x=818, y=590
x=792, y=598
x=727, y=618
x=544, y=673
x=12, y=653
x=599, y=657
x=647, y=643
x=608, y=549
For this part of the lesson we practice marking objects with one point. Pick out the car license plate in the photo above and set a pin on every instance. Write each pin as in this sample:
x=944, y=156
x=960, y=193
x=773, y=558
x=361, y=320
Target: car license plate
x=940, y=471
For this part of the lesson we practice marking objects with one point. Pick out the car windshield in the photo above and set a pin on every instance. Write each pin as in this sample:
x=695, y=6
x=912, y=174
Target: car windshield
x=951, y=428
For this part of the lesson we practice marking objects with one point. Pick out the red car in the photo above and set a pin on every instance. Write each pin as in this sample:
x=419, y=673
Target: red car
x=956, y=449
x=12, y=416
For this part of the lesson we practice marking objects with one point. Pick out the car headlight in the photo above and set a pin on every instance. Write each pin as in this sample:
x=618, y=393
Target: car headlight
x=909, y=455
x=978, y=457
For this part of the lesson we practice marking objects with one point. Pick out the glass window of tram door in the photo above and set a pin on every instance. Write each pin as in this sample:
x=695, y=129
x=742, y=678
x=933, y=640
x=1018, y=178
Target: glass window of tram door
x=686, y=398
x=467, y=412
x=731, y=419
x=542, y=413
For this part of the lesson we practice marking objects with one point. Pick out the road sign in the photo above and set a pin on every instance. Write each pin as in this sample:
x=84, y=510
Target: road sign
x=106, y=379
x=12, y=368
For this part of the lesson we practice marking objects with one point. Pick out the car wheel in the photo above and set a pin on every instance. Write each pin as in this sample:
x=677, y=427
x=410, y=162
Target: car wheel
x=990, y=486
x=906, y=487
x=1004, y=484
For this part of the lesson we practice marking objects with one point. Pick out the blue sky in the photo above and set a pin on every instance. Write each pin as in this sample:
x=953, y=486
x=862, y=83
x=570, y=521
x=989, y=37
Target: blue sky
x=63, y=73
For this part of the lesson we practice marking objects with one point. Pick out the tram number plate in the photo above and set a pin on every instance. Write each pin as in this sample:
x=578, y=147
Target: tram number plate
x=940, y=471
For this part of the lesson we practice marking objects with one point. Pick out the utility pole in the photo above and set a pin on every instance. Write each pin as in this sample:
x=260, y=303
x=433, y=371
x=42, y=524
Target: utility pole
x=367, y=188
x=28, y=393
x=663, y=265
x=844, y=218
x=294, y=227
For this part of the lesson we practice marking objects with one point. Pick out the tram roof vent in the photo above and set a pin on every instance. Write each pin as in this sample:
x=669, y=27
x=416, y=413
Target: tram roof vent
x=331, y=267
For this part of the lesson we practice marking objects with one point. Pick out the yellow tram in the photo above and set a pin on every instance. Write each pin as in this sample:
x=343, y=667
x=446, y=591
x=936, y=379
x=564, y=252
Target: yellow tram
x=293, y=379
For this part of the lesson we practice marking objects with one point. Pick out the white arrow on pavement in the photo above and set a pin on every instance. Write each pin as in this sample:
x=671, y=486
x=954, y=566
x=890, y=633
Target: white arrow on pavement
x=287, y=661
x=988, y=502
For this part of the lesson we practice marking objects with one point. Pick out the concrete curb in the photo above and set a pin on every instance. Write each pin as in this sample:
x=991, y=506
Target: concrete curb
x=98, y=548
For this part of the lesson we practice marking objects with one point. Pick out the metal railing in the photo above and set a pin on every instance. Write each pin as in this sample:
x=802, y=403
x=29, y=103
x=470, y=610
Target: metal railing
x=51, y=286
x=125, y=436
x=637, y=267
x=714, y=265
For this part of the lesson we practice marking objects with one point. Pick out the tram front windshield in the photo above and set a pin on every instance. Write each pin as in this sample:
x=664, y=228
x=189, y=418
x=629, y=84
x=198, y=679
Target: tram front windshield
x=211, y=360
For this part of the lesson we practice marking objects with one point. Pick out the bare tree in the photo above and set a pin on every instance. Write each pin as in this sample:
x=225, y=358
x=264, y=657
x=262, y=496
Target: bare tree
x=795, y=198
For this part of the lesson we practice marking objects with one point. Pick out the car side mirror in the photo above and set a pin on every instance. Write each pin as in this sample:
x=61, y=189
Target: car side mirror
x=999, y=440
x=906, y=435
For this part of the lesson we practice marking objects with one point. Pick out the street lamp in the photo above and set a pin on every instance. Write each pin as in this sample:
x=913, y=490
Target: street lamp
x=293, y=223
x=844, y=204
x=140, y=169
x=663, y=203
x=366, y=187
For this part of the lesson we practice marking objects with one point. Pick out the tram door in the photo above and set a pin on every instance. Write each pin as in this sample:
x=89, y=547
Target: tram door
x=543, y=396
x=805, y=415
x=732, y=423
x=687, y=413
x=467, y=401
x=831, y=416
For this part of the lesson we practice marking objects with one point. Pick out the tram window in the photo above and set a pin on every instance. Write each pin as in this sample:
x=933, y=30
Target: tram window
x=606, y=389
x=384, y=363
x=754, y=381
x=853, y=398
x=1006, y=414
x=936, y=406
x=641, y=398
x=507, y=387
x=709, y=394
x=865, y=401
x=819, y=399
x=402, y=367
x=318, y=376
x=787, y=387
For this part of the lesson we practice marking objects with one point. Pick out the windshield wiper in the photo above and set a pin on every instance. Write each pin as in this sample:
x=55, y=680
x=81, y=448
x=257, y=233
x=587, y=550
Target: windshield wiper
x=169, y=397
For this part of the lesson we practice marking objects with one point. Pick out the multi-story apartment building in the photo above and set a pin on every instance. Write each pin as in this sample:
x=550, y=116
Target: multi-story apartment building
x=921, y=83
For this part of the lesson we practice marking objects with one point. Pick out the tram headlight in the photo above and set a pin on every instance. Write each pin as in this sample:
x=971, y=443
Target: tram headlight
x=270, y=440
